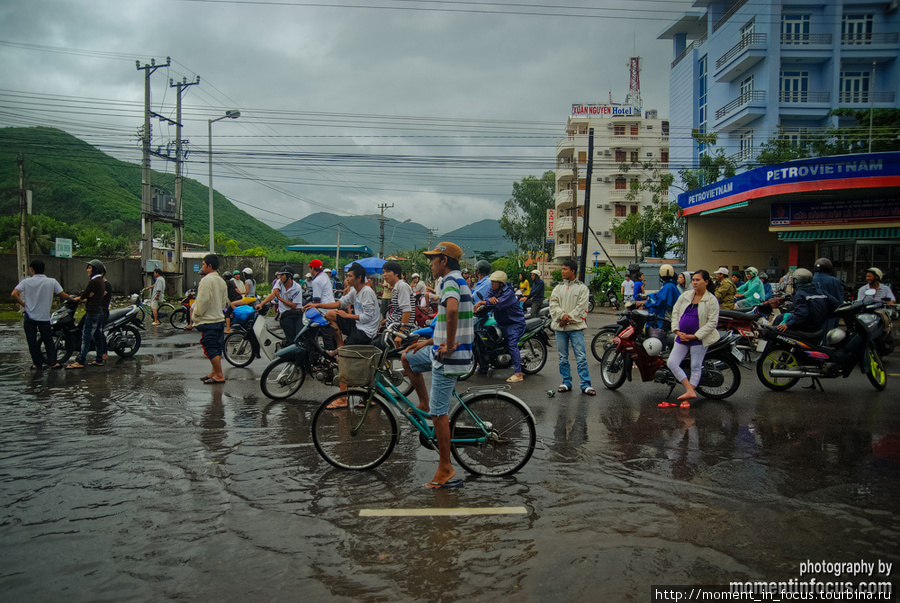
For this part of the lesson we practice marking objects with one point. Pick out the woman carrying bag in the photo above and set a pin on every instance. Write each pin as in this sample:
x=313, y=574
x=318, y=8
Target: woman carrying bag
x=694, y=319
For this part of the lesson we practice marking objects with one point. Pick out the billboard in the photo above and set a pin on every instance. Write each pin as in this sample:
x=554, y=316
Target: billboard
x=551, y=236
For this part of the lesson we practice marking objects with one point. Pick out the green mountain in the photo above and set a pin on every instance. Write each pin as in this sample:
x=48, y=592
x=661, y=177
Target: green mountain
x=78, y=184
x=321, y=229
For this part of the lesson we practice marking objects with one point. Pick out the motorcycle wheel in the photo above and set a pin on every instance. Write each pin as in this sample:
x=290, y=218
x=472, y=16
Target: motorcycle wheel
x=732, y=378
x=65, y=347
x=534, y=356
x=128, y=341
x=179, y=318
x=602, y=339
x=393, y=372
x=612, y=368
x=781, y=358
x=875, y=370
x=472, y=368
x=238, y=350
x=590, y=304
x=282, y=379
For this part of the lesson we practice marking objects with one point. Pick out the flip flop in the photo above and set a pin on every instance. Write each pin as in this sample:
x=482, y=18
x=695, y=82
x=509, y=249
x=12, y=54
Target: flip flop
x=450, y=483
x=589, y=391
x=685, y=404
x=74, y=365
x=58, y=365
x=515, y=379
x=34, y=367
x=564, y=388
x=210, y=381
x=666, y=405
x=95, y=363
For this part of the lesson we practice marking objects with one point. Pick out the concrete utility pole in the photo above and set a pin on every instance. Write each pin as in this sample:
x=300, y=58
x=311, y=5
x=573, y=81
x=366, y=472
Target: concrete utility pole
x=22, y=247
x=179, y=160
x=382, y=207
x=146, y=202
x=337, y=252
x=573, y=255
x=587, y=206
x=431, y=233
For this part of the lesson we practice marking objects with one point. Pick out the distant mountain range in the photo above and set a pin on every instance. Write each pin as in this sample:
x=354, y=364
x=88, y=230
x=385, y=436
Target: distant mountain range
x=322, y=229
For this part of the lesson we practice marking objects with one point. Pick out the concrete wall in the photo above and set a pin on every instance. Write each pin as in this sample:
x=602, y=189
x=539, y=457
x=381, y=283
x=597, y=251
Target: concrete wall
x=123, y=273
x=722, y=241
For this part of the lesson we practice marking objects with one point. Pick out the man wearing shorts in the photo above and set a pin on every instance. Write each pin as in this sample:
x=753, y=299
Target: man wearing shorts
x=208, y=317
x=159, y=288
x=359, y=326
x=447, y=355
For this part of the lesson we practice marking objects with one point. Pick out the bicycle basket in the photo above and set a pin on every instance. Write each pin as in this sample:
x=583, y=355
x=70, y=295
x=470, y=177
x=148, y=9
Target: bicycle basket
x=357, y=365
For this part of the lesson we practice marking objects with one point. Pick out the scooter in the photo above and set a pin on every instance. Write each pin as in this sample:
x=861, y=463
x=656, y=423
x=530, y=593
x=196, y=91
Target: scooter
x=491, y=348
x=306, y=355
x=788, y=356
x=121, y=330
x=609, y=294
x=721, y=374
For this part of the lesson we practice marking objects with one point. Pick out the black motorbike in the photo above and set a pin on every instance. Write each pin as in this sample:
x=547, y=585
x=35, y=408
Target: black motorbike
x=491, y=349
x=789, y=356
x=121, y=331
x=305, y=356
x=607, y=294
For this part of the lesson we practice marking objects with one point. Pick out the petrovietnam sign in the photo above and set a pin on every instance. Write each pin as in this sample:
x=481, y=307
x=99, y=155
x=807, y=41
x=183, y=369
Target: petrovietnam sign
x=868, y=170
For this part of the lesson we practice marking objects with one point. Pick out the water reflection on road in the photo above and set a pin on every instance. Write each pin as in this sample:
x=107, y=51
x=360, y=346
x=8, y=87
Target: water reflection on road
x=136, y=481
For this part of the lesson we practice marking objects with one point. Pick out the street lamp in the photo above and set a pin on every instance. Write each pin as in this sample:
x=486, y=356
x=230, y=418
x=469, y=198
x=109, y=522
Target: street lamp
x=391, y=240
x=230, y=114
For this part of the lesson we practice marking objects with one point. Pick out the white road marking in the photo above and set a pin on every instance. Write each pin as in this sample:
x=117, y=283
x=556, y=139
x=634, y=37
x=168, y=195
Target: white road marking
x=443, y=512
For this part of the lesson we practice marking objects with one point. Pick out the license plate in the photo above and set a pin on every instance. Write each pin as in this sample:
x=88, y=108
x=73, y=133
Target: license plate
x=737, y=354
x=761, y=345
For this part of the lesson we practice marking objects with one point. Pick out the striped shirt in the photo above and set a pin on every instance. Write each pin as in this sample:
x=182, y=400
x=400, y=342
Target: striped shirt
x=458, y=363
x=402, y=300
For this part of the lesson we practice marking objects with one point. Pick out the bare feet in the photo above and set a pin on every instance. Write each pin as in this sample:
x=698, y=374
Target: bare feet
x=338, y=403
x=441, y=478
x=687, y=396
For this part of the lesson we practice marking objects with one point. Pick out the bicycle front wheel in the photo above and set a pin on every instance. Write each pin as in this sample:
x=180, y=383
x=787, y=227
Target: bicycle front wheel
x=282, y=379
x=180, y=318
x=492, y=434
x=164, y=311
x=238, y=349
x=354, y=436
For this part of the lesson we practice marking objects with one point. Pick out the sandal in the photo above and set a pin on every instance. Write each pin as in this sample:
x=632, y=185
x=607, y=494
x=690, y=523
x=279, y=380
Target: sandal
x=515, y=379
x=95, y=363
x=666, y=405
x=685, y=404
x=564, y=388
x=589, y=391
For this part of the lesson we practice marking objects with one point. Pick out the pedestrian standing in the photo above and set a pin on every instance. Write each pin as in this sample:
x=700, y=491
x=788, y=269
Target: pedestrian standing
x=568, y=310
x=208, y=317
x=157, y=295
x=99, y=335
x=694, y=319
x=627, y=289
x=92, y=296
x=39, y=290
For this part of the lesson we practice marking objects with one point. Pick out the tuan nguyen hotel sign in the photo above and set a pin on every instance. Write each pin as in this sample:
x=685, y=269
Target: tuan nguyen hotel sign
x=869, y=170
x=600, y=110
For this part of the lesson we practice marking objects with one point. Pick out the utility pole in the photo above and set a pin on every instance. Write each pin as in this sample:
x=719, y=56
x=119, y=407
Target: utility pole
x=146, y=203
x=575, y=205
x=179, y=160
x=337, y=252
x=382, y=207
x=22, y=247
x=431, y=233
x=587, y=207
x=871, y=104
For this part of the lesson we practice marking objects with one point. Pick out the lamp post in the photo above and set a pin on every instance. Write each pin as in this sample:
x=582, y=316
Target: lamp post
x=391, y=240
x=212, y=239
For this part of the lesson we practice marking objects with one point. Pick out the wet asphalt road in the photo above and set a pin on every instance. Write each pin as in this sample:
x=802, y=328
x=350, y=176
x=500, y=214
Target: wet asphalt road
x=136, y=482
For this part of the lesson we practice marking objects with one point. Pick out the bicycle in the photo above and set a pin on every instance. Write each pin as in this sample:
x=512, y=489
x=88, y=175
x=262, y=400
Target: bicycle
x=492, y=432
x=164, y=310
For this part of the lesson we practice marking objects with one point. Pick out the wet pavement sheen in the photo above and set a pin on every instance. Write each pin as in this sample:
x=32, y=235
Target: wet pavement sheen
x=137, y=482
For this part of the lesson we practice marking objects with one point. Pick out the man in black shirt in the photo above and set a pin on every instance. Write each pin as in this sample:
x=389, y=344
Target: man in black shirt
x=93, y=308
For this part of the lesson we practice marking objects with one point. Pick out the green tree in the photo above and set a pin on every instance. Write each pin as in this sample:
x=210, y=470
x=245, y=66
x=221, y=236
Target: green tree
x=712, y=166
x=487, y=255
x=658, y=225
x=525, y=213
x=779, y=150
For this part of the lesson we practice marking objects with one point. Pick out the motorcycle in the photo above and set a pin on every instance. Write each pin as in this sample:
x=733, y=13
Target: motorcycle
x=121, y=330
x=787, y=357
x=721, y=375
x=608, y=294
x=491, y=348
x=305, y=356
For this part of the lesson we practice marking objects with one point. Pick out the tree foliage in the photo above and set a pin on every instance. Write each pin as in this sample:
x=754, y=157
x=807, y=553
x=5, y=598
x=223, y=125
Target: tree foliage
x=525, y=213
x=712, y=165
x=658, y=225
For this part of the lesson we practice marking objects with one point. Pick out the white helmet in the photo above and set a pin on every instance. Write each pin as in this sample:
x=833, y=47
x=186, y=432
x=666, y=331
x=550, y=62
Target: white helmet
x=666, y=271
x=653, y=346
x=248, y=271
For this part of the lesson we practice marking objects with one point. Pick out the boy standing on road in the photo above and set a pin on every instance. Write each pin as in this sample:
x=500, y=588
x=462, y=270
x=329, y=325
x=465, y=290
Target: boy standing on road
x=447, y=355
x=39, y=290
x=208, y=318
x=568, y=309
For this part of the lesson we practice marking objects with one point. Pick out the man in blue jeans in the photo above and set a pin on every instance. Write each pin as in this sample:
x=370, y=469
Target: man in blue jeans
x=39, y=290
x=568, y=309
x=93, y=312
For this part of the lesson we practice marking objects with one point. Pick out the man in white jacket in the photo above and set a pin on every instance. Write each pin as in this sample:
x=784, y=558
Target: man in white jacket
x=569, y=309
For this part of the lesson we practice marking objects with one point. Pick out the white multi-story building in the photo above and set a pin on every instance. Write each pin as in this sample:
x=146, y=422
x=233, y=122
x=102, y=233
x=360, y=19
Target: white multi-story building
x=622, y=137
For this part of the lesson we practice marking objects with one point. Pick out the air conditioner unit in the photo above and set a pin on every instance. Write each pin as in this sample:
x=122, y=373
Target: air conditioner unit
x=649, y=154
x=606, y=180
x=606, y=153
x=607, y=206
x=607, y=233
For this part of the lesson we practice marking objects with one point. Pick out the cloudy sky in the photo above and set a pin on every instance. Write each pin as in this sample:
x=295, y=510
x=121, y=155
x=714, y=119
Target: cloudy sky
x=434, y=106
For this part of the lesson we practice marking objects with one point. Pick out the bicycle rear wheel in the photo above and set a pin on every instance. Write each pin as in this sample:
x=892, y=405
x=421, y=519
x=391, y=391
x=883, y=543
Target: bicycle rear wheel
x=238, y=349
x=164, y=311
x=505, y=427
x=369, y=445
x=180, y=318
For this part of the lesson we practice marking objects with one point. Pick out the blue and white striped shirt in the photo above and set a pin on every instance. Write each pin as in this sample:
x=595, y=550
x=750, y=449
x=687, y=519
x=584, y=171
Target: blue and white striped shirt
x=458, y=363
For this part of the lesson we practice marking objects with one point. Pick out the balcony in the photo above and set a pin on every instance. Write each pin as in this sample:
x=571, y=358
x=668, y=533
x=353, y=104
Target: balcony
x=565, y=147
x=804, y=104
x=801, y=39
x=745, y=108
x=618, y=193
x=864, y=98
x=692, y=46
x=627, y=141
x=564, y=199
x=565, y=171
x=564, y=250
x=565, y=224
x=855, y=39
x=741, y=57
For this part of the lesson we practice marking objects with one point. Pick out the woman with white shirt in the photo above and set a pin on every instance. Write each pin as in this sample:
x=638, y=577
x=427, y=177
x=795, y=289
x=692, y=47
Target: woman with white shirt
x=694, y=319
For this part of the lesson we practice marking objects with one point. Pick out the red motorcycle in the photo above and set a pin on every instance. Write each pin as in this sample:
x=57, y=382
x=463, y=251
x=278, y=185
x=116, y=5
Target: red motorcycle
x=721, y=375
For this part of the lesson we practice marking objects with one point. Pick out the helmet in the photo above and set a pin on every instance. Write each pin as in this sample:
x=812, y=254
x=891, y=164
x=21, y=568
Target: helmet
x=483, y=267
x=653, y=346
x=414, y=275
x=249, y=271
x=499, y=276
x=666, y=271
x=835, y=336
x=535, y=272
x=751, y=271
x=763, y=276
x=308, y=276
x=98, y=266
x=824, y=265
x=286, y=270
x=235, y=272
x=802, y=276
x=877, y=272
x=333, y=272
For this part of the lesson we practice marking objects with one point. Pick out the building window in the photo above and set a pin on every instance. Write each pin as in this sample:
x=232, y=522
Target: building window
x=701, y=100
x=620, y=241
x=746, y=88
x=635, y=130
x=620, y=156
x=620, y=210
x=619, y=130
x=620, y=184
x=854, y=87
x=856, y=29
x=745, y=142
x=665, y=128
x=581, y=184
x=794, y=86
x=748, y=30
x=634, y=157
x=634, y=209
x=795, y=29
x=664, y=157
x=582, y=156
